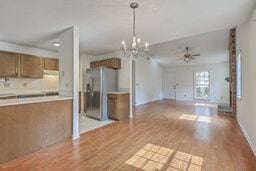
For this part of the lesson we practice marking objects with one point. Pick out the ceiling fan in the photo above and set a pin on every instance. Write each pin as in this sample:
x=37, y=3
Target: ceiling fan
x=188, y=57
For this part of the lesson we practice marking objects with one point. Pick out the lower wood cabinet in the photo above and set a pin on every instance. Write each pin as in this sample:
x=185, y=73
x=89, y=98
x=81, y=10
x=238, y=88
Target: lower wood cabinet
x=31, y=66
x=8, y=64
x=118, y=106
x=25, y=128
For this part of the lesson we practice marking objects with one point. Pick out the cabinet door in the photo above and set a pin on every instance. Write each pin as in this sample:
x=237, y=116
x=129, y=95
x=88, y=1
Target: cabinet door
x=8, y=64
x=114, y=63
x=112, y=107
x=51, y=64
x=31, y=66
x=93, y=64
x=117, y=63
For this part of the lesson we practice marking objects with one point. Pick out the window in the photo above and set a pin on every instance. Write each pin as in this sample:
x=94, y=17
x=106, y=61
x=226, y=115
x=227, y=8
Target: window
x=238, y=76
x=202, y=85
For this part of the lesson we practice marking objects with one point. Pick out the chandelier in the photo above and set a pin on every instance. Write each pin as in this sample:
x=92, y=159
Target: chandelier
x=135, y=48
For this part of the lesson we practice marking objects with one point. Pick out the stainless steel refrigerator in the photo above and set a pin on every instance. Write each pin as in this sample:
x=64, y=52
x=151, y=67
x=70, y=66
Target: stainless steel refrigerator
x=100, y=81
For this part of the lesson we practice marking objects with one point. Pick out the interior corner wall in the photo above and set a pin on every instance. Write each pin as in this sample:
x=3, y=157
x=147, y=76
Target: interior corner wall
x=66, y=63
x=246, y=108
x=148, y=77
x=148, y=81
x=69, y=71
x=219, y=88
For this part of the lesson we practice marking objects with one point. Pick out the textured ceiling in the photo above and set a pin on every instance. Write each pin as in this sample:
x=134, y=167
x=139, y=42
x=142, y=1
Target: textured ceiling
x=104, y=23
x=212, y=47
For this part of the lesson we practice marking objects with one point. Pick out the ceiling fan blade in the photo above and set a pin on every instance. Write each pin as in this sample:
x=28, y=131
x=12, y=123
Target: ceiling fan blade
x=196, y=55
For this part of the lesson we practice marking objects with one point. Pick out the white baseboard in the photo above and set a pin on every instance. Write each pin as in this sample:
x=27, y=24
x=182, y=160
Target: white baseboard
x=74, y=137
x=249, y=140
x=203, y=101
x=149, y=101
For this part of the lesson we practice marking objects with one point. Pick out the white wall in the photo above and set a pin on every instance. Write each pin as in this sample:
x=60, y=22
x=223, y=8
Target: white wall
x=148, y=81
x=219, y=88
x=85, y=60
x=246, y=108
x=69, y=72
x=148, y=77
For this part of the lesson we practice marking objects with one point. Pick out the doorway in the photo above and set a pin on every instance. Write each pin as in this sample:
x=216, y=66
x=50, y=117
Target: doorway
x=169, y=85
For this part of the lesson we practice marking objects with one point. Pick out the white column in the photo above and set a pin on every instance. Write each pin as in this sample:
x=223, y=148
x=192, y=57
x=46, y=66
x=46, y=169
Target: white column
x=131, y=84
x=69, y=71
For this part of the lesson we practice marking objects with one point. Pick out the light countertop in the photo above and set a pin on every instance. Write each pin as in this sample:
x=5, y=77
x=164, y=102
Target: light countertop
x=118, y=92
x=18, y=92
x=19, y=101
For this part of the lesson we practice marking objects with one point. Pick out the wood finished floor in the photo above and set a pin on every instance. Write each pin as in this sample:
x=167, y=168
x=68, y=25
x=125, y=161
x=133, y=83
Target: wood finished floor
x=163, y=135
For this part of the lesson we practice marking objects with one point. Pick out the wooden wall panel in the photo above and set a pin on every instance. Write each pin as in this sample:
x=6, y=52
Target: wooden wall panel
x=29, y=127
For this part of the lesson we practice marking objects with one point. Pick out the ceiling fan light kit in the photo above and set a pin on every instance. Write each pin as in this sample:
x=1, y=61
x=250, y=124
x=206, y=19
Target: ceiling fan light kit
x=189, y=57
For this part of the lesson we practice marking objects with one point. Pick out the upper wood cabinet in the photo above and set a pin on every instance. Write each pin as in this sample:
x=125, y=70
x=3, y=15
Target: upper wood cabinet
x=114, y=63
x=51, y=64
x=8, y=64
x=31, y=66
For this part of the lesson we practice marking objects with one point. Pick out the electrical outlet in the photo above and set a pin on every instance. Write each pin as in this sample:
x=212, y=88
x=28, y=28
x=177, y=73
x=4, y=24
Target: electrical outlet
x=25, y=84
x=185, y=95
x=66, y=85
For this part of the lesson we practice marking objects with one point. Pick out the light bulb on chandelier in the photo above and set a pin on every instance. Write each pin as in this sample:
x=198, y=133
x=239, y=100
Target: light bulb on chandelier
x=135, y=45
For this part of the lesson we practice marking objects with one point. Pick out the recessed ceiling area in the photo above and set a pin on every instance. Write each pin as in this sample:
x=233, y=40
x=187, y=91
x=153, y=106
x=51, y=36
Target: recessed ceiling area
x=212, y=48
x=104, y=24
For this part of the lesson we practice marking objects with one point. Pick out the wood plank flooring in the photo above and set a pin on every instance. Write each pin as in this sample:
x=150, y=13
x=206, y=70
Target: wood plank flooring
x=163, y=135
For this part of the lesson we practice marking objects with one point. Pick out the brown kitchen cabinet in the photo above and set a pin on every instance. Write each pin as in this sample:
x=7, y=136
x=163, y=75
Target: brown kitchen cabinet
x=8, y=64
x=51, y=64
x=118, y=106
x=114, y=63
x=31, y=66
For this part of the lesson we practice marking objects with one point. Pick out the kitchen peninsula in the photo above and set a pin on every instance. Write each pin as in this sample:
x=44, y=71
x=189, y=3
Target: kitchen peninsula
x=29, y=124
x=32, y=114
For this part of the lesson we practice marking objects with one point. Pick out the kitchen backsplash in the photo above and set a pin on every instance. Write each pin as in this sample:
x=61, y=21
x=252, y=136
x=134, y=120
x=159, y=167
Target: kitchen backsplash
x=46, y=83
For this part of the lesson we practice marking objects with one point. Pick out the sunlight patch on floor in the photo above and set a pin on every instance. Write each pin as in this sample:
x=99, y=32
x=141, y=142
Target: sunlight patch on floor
x=189, y=117
x=205, y=104
x=154, y=157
